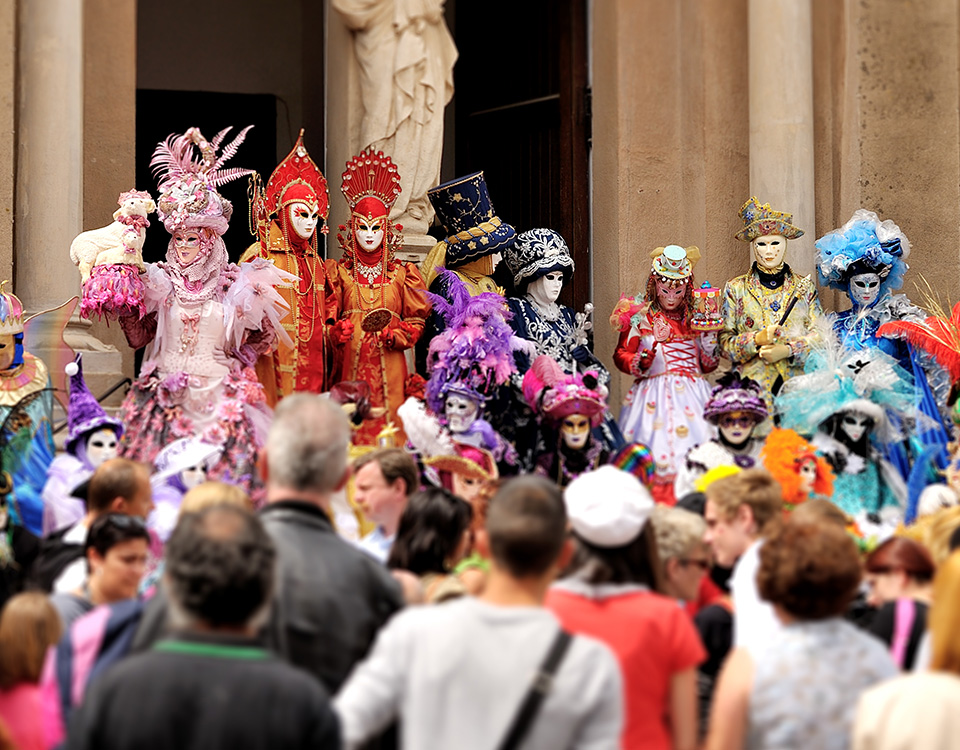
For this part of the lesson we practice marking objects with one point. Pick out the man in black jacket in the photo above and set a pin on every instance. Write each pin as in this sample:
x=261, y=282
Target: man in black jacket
x=210, y=685
x=330, y=598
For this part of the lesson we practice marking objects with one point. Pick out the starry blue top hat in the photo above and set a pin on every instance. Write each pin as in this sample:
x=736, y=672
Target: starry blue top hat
x=466, y=212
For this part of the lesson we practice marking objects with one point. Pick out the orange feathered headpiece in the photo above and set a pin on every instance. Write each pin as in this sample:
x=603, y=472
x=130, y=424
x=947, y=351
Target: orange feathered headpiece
x=783, y=454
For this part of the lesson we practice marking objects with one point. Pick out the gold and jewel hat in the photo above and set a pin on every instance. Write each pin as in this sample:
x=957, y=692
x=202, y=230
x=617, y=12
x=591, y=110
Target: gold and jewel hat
x=759, y=220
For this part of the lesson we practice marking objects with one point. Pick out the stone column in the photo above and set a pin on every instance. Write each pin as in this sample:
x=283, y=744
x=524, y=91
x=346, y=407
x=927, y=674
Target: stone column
x=8, y=68
x=49, y=179
x=781, y=117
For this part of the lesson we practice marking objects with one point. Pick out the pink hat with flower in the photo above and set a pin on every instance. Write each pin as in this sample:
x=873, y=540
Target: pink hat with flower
x=556, y=395
x=188, y=186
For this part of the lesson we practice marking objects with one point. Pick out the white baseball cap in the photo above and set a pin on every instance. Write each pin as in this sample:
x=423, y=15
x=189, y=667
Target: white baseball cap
x=607, y=507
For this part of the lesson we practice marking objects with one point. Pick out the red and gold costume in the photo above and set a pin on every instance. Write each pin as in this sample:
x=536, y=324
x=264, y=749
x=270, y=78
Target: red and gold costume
x=304, y=366
x=385, y=300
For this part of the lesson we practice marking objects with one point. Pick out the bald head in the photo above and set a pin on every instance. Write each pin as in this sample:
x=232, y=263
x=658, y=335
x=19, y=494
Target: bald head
x=306, y=448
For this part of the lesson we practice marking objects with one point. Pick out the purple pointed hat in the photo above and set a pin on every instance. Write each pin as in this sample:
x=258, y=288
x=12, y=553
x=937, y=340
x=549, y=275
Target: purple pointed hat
x=84, y=413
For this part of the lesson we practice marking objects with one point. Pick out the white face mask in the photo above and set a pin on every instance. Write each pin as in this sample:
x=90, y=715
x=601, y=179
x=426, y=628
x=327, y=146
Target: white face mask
x=736, y=428
x=303, y=219
x=854, y=425
x=769, y=250
x=193, y=476
x=575, y=431
x=864, y=289
x=546, y=289
x=101, y=446
x=369, y=234
x=461, y=412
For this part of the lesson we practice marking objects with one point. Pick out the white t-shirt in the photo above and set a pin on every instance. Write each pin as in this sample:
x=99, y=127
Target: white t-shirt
x=754, y=620
x=72, y=577
x=456, y=674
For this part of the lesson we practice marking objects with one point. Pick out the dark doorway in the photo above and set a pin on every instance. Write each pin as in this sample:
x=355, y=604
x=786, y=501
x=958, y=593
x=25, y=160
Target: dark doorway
x=162, y=113
x=522, y=116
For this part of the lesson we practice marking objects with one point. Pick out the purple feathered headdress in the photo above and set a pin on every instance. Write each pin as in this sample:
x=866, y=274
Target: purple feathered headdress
x=734, y=393
x=474, y=354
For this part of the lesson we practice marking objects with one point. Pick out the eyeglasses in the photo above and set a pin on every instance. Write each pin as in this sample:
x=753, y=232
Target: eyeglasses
x=702, y=564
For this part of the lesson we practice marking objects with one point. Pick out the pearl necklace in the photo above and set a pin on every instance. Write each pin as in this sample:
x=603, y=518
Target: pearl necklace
x=369, y=272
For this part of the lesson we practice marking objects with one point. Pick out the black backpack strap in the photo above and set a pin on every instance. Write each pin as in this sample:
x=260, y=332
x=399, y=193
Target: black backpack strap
x=538, y=691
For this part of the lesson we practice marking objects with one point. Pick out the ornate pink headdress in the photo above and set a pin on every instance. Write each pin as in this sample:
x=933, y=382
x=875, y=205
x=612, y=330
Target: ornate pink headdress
x=556, y=395
x=188, y=195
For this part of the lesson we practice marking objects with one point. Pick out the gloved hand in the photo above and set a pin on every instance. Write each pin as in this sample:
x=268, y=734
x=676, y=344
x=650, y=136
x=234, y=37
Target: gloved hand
x=774, y=353
x=768, y=335
x=582, y=354
x=342, y=331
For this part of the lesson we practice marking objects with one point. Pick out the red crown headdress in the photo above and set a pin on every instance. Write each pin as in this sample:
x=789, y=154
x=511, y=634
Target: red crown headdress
x=297, y=179
x=371, y=185
x=371, y=175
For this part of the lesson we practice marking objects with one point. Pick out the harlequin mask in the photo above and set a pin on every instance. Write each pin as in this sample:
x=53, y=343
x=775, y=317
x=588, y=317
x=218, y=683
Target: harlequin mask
x=575, y=431
x=769, y=250
x=461, y=412
x=864, y=289
x=8, y=351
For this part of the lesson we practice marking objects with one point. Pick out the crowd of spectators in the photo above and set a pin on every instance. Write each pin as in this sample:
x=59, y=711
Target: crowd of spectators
x=524, y=616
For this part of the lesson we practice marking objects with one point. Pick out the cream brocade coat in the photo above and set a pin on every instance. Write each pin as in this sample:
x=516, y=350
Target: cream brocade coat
x=748, y=306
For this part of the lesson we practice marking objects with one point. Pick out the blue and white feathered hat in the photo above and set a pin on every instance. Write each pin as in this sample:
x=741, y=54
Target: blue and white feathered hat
x=863, y=245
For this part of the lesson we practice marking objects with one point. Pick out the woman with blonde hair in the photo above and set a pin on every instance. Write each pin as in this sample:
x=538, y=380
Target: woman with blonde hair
x=29, y=625
x=920, y=709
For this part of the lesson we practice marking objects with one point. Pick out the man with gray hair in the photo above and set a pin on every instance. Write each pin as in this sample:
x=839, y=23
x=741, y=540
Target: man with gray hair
x=330, y=598
x=211, y=684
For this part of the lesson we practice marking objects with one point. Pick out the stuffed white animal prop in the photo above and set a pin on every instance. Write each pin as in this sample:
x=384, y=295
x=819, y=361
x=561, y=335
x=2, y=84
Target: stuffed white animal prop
x=119, y=243
x=110, y=259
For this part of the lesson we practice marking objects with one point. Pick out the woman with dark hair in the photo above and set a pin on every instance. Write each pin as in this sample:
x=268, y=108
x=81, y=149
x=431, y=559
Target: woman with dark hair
x=610, y=593
x=799, y=688
x=921, y=709
x=116, y=551
x=900, y=579
x=433, y=536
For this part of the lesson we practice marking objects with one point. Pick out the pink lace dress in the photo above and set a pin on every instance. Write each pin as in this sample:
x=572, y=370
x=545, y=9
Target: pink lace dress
x=664, y=408
x=197, y=378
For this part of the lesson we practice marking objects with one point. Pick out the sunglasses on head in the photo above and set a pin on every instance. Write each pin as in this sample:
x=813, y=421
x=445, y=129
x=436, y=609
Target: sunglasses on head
x=124, y=521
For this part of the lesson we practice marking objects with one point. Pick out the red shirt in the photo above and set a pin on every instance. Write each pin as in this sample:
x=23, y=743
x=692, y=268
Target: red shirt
x=653, y=638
